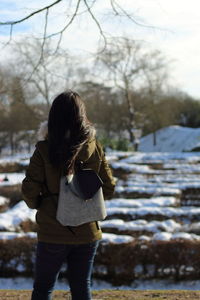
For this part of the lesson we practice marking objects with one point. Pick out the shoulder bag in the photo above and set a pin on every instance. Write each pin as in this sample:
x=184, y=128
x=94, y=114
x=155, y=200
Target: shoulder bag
x=80, y=198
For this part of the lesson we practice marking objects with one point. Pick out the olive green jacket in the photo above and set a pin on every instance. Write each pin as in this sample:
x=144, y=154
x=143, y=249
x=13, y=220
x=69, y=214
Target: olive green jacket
x=40, y=190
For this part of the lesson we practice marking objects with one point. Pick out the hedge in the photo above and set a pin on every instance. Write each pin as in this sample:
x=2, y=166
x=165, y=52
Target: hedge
x=116, y=263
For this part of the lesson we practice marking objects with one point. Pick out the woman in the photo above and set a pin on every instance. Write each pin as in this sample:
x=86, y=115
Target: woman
x=70, y=140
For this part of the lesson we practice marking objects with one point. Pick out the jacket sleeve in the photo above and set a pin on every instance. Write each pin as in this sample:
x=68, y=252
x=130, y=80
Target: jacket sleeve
x=106, y=176
x=33, y=182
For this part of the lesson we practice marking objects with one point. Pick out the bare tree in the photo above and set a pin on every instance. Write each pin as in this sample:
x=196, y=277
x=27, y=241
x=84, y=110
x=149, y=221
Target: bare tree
x=156, y=83
x=17, y=114
x=46, y=79
x=128, y=62
x=75, y=9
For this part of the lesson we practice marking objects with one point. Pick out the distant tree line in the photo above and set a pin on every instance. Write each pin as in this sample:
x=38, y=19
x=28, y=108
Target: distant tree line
x=125, y=89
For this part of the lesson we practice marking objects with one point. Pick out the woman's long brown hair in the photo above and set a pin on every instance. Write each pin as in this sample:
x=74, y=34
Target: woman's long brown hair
x=68, y=129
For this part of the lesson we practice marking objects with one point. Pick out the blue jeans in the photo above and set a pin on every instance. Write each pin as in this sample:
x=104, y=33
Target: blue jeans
x=49, y=260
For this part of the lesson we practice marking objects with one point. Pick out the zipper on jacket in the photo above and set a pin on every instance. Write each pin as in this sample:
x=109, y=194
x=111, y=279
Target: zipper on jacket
x=70, y=229
x=97, y=225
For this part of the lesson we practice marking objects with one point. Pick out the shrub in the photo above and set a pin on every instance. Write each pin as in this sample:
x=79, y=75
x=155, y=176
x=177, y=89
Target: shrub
x=116, y=144
x=17, y=256
x=13, y=192
x=117, y=263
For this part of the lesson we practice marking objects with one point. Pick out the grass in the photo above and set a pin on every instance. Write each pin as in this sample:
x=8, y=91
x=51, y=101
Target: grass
x=110, y=295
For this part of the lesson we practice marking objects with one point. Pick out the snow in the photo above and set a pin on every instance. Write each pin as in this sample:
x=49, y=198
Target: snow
x=161, y=157
x=189, y=212
x=182, y=167
x=24, y=283
x=144, y=238
x=140, y=202
x=113, y=238
x=115, y=155
x=186, y=236
x=13, y=235
x=108, y=238
x=172, y=139
x=193, y=226
x=162, y=236
x=166, y=178
x=164, y=186
x=148, y=190
x=13, y=178
x=166, y=236
x=12, y=218
x=142, y=225
x=160, y=180
x=3, y=201
x=130, y=167
x=18, y=158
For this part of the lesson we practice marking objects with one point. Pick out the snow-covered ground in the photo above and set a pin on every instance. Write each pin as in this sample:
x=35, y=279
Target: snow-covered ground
x=3, y=201
x=169, y=212
x=21, y=283
x=160, y=179
x=172, y=139
x=152, y=202
x=5, y=235
x=11, y=219
x=151, y=190
x=13, y=178
x=156, y=187
x=157, y=199
x=17, y=158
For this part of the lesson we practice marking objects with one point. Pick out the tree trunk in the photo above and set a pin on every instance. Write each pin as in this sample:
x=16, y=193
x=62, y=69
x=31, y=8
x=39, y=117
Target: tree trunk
x=131, y=114
x=131, y=136
x=154, y=138
x=11, y=135
x=136, y=145
x=29, y=145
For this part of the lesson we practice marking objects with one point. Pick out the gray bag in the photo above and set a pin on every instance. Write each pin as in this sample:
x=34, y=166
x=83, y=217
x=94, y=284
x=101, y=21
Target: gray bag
x=73, y=210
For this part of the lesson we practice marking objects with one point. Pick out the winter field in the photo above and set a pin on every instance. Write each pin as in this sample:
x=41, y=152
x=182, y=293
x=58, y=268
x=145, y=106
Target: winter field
x=151, y=233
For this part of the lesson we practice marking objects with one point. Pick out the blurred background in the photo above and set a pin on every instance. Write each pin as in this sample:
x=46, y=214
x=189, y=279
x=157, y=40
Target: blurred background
x=136, y=66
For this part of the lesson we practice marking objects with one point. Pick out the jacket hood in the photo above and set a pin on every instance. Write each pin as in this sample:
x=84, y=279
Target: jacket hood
x=42, y=131
x=87, y=149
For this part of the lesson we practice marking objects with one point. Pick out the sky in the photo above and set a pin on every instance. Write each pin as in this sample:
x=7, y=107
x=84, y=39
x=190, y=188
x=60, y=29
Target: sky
x=171, y=26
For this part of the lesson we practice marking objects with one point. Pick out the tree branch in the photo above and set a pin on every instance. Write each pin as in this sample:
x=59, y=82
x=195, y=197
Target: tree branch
x=10, y=37
x=66, y=26
x=41, y=58
x=31, y=15
x=45, y=33
x=114, y=4
x=114, y=8
x=97, y=23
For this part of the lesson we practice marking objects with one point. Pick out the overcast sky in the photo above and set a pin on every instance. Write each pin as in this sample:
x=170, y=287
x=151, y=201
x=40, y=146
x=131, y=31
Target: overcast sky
x=176, y=32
